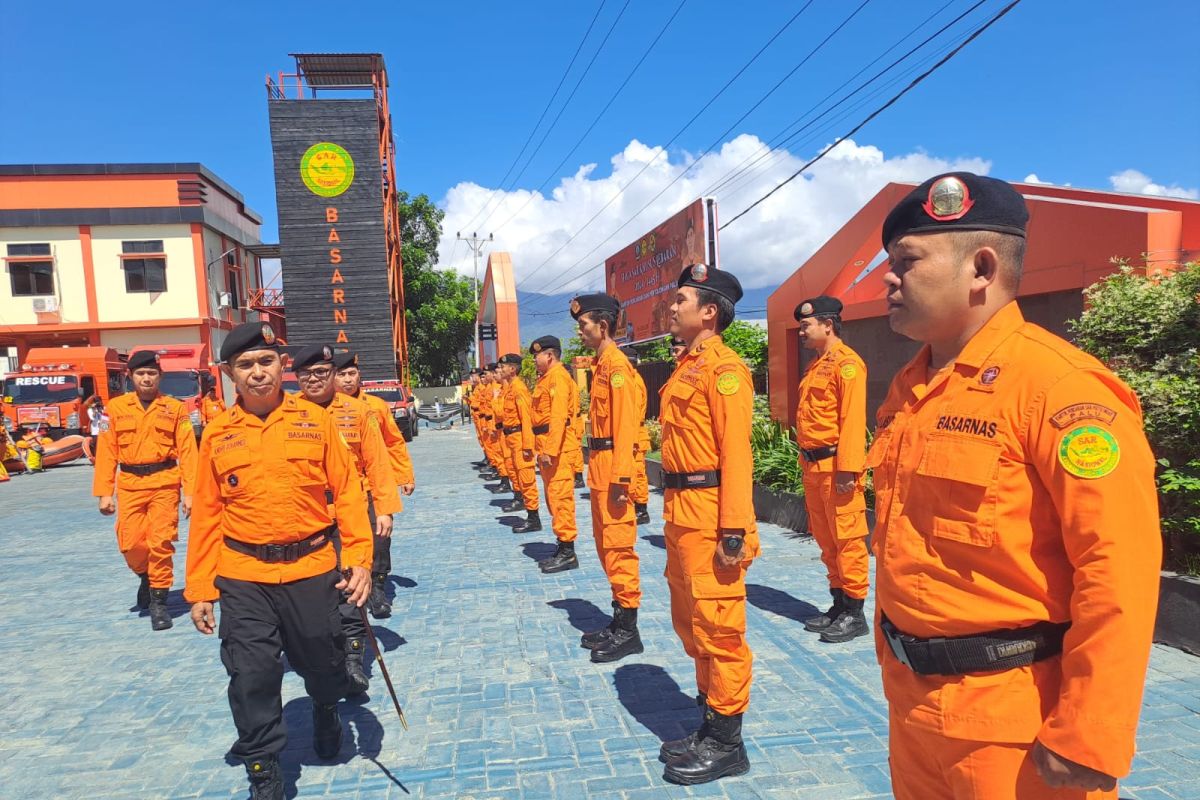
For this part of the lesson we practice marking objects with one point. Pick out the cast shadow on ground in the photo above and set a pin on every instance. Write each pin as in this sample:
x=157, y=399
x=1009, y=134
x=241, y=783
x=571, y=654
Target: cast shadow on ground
x=583, y=615
x=656, y=701
x=538, y=551
x=656, y=540
x=781, y=603
x=176, y=606
x=510, y=520
x=395, y=582
x=499, y=502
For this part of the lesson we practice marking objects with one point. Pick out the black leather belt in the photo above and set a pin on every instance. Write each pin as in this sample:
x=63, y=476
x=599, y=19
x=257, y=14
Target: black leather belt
x=541, y=430
x=985, y=652
x=486, y=416
x=511, y=429
x=499, y=426
x=595, y=443
x=818, y=453
x=692, y=480
x=283, y=553
x=148, y=469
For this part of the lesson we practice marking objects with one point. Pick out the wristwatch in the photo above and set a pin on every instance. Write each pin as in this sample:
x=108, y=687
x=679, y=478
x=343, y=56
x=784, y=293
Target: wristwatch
x=732, y=545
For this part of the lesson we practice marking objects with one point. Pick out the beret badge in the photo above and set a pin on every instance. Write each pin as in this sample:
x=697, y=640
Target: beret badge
x=699, y=273
x=948, y=199
x=268, y=334
x=575, y=306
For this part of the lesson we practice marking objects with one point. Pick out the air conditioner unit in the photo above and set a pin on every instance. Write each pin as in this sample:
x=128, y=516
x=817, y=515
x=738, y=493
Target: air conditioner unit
x=45, y=305
x=224, y=300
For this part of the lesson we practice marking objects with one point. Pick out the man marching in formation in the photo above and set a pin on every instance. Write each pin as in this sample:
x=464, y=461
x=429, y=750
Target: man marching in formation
x=555, y=412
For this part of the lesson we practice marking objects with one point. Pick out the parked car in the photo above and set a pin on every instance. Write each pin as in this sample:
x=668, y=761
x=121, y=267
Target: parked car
x=400, y=400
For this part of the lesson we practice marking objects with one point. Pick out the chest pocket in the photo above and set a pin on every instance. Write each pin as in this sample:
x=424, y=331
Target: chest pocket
x=164, y=429
x=307, y=462
x=878, y=451
x=958, y=477
x=601, y=399
x=675, y=409
x=125, y=429
x=233, y=471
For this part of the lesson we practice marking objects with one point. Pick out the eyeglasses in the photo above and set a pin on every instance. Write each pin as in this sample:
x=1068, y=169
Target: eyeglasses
x=320, y=373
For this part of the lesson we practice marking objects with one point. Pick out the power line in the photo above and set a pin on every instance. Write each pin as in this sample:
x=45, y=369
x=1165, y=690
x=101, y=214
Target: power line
x=917, y=81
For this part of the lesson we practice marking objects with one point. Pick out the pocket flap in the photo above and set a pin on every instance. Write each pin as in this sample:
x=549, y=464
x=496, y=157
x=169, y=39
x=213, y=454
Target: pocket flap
x=305, y=451
x=960, y=459
x=231, y=460
x=124, y=424
x=719, y=584
x=878, y=450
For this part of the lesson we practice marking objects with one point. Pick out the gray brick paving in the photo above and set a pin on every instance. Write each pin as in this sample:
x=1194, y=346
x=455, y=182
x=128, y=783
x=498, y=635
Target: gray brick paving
x=501, y=701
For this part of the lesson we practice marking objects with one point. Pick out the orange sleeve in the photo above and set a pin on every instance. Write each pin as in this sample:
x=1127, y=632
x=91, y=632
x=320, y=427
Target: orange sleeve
x=525, y=413
x=1099, y=473
x=104, y=480
x=378, y=466
x=185, y=446
x=560, y=411
x=204, y=541
x=625, y=423
x=732, y=407
x=349, y=502
x=852, y=416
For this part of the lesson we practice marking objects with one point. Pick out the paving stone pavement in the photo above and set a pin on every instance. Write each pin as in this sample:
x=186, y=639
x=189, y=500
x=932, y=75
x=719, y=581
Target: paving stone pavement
x=501, y=701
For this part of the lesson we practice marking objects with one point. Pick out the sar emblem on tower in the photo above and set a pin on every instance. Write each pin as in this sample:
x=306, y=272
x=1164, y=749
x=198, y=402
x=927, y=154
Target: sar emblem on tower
x=327, y=169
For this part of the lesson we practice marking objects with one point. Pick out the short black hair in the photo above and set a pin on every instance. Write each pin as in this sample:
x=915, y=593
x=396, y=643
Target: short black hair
x=603, y=316
x=725, y=313
x=555, y=350
x=1010, y=249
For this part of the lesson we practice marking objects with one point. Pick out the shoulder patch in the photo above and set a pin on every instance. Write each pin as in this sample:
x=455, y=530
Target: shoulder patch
x=1088, y=451
x=618, y=380
x=849, y=371
x=1078, y=411
x=728, y=383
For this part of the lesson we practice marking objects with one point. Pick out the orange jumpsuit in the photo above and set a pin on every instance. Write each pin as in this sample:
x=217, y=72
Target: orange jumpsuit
x=1014, y=487
x=614, y=415
x=499, y=443
x=360, y=427
x=210, y=408
x=473, y=397
x=555, y=398
x=263, y=482
x=147, y=505
x=640, y=490
x=517, y=418
x=393, y=440
x=706, y=412
x=833, y=411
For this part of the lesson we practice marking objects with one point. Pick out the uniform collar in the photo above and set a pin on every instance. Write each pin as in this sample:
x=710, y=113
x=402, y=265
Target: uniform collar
x=1004, y=323
x=708, y=344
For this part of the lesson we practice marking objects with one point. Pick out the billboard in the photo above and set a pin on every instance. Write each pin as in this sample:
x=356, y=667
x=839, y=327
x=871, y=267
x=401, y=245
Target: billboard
x=644, y=274
x=328, y=186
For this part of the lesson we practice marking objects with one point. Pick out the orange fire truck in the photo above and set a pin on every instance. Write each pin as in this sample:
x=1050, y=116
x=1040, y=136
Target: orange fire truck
x=49, y=390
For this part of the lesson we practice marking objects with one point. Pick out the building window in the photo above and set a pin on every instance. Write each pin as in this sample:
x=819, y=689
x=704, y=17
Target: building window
x=145, y=266
x=42, y=249
x=154, y=246
x=232, y=285
x=33, y=277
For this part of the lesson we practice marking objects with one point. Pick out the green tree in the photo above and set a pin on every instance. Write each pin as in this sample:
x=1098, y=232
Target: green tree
x=439, y=305
x=655, y=349
x=574, y=349
x=748, y=341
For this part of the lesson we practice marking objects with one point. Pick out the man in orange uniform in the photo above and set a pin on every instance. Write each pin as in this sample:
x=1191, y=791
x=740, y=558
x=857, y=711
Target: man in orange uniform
x=260, y=543
x=360, y=428
x=483, y=415
x=708, y=515
x=555, y=401
x=348, y=378
x=508, y=481
x=615, y=420
x=517, y=421
x=831, y=428
x=639, y=492
x=574, y=441
x=472, y=395
x=211, y=406
x=1017, y=546
x=150, y=438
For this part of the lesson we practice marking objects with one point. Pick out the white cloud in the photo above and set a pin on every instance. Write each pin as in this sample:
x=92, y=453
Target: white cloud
x=1033, y=178
x=762, y=248
x=1134, y=182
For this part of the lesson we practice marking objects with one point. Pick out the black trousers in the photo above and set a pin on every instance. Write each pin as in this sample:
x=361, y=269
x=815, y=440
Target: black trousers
x=381, y=562
x=259, y=621
x=352, y=623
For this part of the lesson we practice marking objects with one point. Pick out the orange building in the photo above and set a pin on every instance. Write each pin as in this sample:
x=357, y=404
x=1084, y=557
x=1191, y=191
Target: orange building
x=123, y=254
x=1073, y=237
x=497, y=310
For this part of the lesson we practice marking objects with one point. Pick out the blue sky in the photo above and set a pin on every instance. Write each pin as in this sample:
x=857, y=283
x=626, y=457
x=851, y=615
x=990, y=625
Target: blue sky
x=1072, y=91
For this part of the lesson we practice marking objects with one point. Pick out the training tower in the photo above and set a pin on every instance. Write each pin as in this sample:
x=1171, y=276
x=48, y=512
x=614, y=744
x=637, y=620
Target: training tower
x=339, y=220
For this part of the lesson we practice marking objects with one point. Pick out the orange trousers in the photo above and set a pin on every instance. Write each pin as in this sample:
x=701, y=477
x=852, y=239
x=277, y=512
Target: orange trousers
x=500, y=454
x=520, y=472
x=639, y=491
x=708, y=611
x=615, y=530
x=147, y=529
x=926, y=765
x=573, y=450
x=559, y=483
x=839, y=524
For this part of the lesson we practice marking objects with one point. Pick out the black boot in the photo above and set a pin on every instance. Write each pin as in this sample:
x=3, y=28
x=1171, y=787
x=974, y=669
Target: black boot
x=850, y=624
x=593, y=639
x=718, y=753
x=564, y=558
x=266, y=779
x=516, y=504
x=489, y=474
x=623, y=640
x=533, y=522
x=143, y=593
x=160, y=620
x=377, y=602
x=327, y=730
x=359, y=683
x=502, y=487
x=820, y=623
x=643, y=515
x=579, y=484
x=677, y=747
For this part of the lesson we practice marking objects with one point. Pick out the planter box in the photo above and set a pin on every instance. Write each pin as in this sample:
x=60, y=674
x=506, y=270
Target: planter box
x=784, y=509
x=654, y=472
x=1178, y=621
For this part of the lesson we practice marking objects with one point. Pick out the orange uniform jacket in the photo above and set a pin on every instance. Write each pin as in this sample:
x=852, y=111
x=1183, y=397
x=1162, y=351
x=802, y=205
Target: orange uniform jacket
x=643, y=437
x=555, y=403
x=496, y=409
x=210, y=408
x=145, y=436
x=706, y=412
x=833, y=410
x=1016, y=487
x=360, y=428
x=517, y=410
x=614, y=415
x=402, y=467
x=263, y=482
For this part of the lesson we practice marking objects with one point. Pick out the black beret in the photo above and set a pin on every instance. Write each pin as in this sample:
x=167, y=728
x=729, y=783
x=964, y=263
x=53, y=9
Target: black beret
x=510, y=358
x=345, y=360
x=714, y=280
x=492, y=366
x=958, y=201
x=819, y=307
x=248, y=336
x=545, y=343
x=312, y=354
x=143, y=358
x=595, y=302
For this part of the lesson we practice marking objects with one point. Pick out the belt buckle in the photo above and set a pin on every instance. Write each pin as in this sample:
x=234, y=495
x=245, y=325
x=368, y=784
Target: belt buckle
x=896, y=643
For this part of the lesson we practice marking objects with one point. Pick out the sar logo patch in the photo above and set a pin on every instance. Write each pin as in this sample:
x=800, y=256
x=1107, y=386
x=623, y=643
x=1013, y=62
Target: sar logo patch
x=1089, y=452
x=728, y=383
x=618, y=381
x=849, y=371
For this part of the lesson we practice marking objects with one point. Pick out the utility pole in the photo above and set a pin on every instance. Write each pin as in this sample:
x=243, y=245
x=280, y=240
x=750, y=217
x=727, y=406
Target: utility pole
x=476, y=243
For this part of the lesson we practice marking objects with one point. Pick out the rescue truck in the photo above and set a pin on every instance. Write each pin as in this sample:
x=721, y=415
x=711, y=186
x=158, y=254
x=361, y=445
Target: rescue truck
x=53, y=383
x=400, y=400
